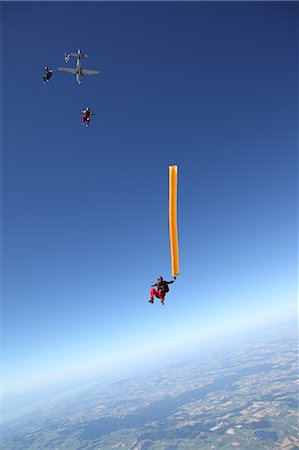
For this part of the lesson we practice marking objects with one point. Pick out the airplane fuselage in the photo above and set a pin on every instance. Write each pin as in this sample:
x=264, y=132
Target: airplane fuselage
x=78, y=69
x=79, y=74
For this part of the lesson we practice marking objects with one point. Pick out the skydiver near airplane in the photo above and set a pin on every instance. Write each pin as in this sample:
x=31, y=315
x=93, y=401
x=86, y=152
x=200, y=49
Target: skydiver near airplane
x=48, y=74
x=78, y=71
x=67, y=57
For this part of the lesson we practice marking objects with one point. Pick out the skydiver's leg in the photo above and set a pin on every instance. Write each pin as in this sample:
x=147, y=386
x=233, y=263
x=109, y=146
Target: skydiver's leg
x=161, y=296
x=153, y=293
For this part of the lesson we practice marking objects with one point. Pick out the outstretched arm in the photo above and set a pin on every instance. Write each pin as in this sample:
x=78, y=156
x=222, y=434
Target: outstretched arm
x=172, y=281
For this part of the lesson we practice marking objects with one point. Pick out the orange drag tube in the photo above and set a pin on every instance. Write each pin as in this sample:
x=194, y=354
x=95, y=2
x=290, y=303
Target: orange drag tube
x=173, y=229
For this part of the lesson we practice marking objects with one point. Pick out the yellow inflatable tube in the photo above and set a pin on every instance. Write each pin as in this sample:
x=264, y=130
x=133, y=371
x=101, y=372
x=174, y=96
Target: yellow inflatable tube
x=173, y=230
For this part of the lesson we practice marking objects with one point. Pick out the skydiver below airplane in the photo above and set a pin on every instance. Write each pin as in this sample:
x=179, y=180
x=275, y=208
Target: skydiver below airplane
x=78, y=71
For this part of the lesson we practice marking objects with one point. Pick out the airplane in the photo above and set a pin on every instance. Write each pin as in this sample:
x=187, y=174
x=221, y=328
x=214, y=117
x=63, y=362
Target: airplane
x=78, y=71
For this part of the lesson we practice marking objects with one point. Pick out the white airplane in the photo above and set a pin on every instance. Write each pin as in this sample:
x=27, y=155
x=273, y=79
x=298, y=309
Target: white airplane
x=78, y=71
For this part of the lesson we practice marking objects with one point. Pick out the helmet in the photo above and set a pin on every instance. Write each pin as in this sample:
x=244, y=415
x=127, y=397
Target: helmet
x=46, y=68
x=160, y=278
x=88, y=109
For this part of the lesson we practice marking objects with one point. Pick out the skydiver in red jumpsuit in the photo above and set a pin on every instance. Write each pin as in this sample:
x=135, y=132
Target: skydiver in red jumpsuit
x=86, y=116
x=162, y=289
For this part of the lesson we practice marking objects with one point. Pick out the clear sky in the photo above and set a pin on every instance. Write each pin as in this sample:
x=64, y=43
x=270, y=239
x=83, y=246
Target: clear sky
x=211, y=87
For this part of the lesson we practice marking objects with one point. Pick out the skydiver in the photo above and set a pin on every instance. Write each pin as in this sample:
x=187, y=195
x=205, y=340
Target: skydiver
x=67, y=57
x=162, y=289
x=86, y=116
x=48, y=74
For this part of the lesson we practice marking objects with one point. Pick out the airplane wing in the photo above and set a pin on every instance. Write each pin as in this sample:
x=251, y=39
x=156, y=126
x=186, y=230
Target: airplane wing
x=90, y=72
x=66, y=69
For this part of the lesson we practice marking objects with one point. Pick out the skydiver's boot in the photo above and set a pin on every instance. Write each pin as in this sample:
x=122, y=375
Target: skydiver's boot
x=151, y=301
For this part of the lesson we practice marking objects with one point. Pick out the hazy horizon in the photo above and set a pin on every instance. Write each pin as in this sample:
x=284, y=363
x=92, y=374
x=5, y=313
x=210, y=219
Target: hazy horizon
x=20, y=404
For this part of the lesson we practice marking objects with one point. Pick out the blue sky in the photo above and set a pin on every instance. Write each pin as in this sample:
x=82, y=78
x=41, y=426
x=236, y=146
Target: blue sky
x=211, y=87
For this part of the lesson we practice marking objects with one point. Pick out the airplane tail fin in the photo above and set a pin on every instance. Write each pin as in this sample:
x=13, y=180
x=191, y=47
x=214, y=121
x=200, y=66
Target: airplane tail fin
x=82, y=55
